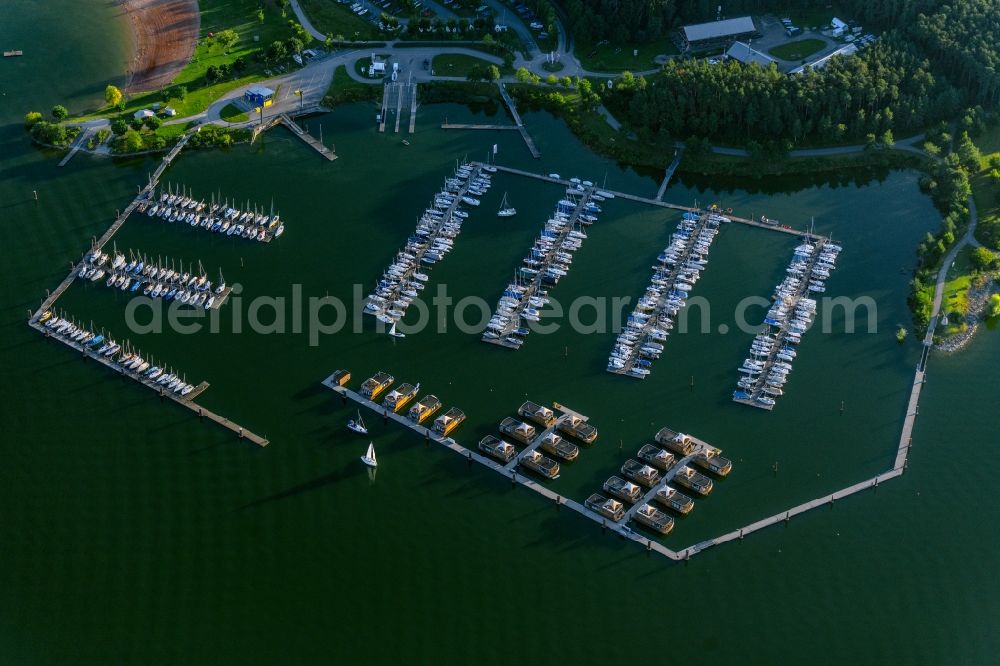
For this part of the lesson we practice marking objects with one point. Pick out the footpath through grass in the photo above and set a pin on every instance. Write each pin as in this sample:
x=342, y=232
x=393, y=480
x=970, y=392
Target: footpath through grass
x=797, y=50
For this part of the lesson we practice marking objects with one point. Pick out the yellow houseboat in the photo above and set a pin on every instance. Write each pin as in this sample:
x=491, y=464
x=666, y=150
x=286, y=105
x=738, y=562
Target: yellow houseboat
x=653, y=518
x=448, y=421
x=622, y=489
x=644, y=475
x=608, y=508
x=677, y=442
x=657, y=457
x=374, y=385
x=577, y=427
x=559, y=447
x=399, y=397
x=674, y=499
x=424, y=408
x=536, y=462
x=496, y=447
x=519, y=430
x=692, y=480
x=532, y=411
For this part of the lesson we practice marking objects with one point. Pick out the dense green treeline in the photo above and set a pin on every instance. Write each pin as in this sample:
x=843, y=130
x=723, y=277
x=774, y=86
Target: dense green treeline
x=887, y=88
x=963, y=38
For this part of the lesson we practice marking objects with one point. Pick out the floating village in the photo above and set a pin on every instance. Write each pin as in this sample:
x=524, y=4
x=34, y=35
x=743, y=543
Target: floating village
x=643, y=499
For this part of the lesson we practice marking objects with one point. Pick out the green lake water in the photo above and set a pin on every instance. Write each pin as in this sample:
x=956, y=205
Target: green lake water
x=134, y=533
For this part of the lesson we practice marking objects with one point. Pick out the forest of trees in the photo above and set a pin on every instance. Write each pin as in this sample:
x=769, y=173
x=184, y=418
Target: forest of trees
x=888, y=87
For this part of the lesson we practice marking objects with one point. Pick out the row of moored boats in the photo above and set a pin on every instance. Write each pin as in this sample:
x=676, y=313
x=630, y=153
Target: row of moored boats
x=157, y=279
x=216, y=217
x=434, y=237
x=546, y=263
x=765, y=371
x=678, y=268
x=129, y=360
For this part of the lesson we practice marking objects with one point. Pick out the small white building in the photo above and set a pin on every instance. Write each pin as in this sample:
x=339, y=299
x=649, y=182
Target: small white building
x=143, y=114
x=170, y=111
x=377, y=67
x=837, y=27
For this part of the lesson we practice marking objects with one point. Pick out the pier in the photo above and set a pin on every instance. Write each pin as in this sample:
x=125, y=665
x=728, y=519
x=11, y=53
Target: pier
x=517, y=120
x=447, y=125
x=503, y=336
x=678, y=154
x=49, y=301
x=397, y=281
x=663, y=204
x=756, y=396
x=413, y=107
x=674, y=270
x=184, y=401
x=310, y=140
x=77, y=144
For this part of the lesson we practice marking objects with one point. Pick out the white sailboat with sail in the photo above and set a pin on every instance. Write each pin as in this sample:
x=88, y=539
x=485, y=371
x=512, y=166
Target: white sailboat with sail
x=395, y=333
x=369, y=457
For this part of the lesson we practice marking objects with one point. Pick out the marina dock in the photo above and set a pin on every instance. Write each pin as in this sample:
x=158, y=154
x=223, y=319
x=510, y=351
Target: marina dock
x=652, y=320
x=184, y=401
x=516, y=303
x=333, y=382
x=447, y=125
x=663, y=204
x=310, y=140
x=439, y=224
x=771, y=355
x=517, y=120
x=678, y=154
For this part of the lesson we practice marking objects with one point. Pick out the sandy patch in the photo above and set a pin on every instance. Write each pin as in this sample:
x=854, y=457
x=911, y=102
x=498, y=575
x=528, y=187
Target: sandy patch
x=166, y=32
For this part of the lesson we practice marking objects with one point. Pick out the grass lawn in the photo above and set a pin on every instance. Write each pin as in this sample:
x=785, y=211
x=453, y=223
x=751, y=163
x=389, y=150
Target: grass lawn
x=233, y=114
x=986, y=192
x=333, y=18
x=456, y=64
x=989, y=141
x=171, y=132
x=218, y=15
x=345, y=89
x=611, y=58
x=797, y=50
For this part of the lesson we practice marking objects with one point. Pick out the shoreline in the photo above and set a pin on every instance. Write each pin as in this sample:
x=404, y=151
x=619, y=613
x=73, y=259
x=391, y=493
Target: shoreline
x=974, y=319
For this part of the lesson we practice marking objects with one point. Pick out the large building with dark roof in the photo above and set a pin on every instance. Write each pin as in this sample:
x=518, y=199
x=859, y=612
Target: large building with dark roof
x=717, y=33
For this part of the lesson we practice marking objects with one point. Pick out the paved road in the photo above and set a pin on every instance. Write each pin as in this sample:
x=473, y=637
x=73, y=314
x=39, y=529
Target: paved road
x=946, y=264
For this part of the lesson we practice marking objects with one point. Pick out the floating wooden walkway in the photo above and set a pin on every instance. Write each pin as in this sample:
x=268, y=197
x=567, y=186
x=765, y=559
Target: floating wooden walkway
x=464, y=126
x=77, y=145
x=185, y=401
x=678, y=154
x=310, y=140
x=510, y=471
x=413, y=107
x=517, y=119
x=663, y=204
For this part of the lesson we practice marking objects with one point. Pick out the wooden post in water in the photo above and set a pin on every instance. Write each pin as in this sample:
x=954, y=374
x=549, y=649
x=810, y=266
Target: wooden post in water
x=34, y=193
x=841, y=407
x=692, y=382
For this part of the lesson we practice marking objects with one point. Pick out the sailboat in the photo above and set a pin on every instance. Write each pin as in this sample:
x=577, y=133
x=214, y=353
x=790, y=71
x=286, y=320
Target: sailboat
x=358, y=425
x=369, y=458
x=506, y=210
x=394, y=333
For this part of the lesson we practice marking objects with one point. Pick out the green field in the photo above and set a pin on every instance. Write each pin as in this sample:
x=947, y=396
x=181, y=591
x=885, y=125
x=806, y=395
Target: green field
x=233, y=114
x=218, y=15
x=611, y=58
x=332, y=18
x=797, y=50
x=456, y=64
x=344, y=89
